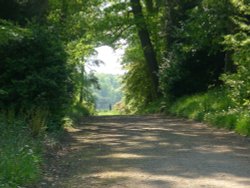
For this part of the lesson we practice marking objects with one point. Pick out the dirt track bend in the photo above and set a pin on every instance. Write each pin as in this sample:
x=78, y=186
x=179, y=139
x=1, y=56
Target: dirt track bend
x=149, y=152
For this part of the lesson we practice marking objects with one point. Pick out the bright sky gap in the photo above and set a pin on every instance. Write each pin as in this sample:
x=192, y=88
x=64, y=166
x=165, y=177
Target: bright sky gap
x=111, y=58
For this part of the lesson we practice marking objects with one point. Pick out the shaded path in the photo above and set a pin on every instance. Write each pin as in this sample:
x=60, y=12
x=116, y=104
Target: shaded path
x=150, y=152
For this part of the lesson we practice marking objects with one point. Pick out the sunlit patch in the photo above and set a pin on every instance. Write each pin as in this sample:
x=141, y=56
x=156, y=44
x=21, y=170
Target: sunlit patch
x=184, y=149
x=214, y=149
x=150, y=138
x=72, y=129
x=143, y=179
x=133, y=143
x=123, y=156
x=164, y=144
x=156, y=129
x=185, y=134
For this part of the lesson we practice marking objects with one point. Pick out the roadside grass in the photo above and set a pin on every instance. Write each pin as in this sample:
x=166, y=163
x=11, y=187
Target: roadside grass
x=20, y=154
x=107, y=113
x=155, y=107
x=78, y=110
x=23, y=144
x=215, y=108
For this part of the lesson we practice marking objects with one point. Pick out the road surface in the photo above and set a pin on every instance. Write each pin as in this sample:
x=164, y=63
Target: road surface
x=149, y=152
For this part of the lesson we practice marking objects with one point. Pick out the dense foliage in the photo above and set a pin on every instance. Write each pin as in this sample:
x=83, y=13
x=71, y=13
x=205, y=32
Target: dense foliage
x=137, y=77
x=42, y=47
x=34, y=73
x=239, y=44
x=109, y=91
x=41, y=57
x=210, y=49
x=199, y=45
x=20, y=153
x=213, y=107
x=189, y=57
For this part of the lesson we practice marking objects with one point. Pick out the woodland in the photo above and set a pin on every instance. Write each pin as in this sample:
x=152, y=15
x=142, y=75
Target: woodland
x=188, y=58
x=109, y=92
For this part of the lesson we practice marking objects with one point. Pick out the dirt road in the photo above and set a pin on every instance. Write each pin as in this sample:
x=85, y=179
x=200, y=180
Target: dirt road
x=149, y=152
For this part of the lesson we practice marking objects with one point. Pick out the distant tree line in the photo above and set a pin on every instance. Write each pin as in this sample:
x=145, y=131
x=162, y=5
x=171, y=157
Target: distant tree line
x=109, y=92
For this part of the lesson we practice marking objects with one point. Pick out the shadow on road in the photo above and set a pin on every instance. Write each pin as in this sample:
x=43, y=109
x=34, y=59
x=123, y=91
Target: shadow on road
x=151, y=151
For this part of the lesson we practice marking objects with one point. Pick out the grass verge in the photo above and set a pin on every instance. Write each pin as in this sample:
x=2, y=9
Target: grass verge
x=23, y=145
x=215, y=108
x=20, y=154
x=107, y=113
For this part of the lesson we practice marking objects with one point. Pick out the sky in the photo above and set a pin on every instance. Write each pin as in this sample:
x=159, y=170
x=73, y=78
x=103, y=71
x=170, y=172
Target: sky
x=111, y=59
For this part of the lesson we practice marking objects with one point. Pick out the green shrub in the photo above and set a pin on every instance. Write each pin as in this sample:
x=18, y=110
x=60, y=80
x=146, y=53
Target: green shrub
x=239, y=43
x=37, y=119
x=243, y=125
x=34, y=72
x=222, y=120
x=20, y=154
x=186, y=75
x=157, y=106
x=108, y=113
x=79, y=110
x=215, y=108
x=197, y=106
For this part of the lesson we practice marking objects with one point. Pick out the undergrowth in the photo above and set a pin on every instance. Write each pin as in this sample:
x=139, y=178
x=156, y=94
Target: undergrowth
x=108, y=112
x=157, y=106
x=24, y=140
x=77, y=111
x=20, y=154
x=215, y=108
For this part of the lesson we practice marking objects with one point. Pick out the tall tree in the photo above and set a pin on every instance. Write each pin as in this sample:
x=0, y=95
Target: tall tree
x=148, y=49
x=22, y=11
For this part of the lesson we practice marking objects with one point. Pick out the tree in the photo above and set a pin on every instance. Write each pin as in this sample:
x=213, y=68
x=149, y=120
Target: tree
x=116, y=22
x=137, y=87
x=34, y=72
x=23, y=11
x=197, y=30
x=146, y=44
x=239, y=44
x=38, y=65
x=109, y=92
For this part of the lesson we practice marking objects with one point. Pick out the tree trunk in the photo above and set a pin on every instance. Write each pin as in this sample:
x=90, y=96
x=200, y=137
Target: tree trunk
x=82, y=84
x=148, y=50
x=150, y=6
x=229, y=67
x=169, y=23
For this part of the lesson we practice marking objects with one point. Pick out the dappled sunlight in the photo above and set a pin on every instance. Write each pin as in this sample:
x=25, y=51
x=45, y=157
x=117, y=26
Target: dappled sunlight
x=186, y=134
x=155, y=129
x=72, y=129
x=141, y=179
x=164, y=144
x=123, y=156
x=214, y=149
x=124, y=151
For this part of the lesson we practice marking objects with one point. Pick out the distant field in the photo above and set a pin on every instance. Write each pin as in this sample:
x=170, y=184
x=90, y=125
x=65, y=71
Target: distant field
x=107, y=113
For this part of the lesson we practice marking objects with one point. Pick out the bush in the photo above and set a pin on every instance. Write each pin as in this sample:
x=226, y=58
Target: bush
x=37, y=120
x=197, y=106
x=137, y=85
x=34, y=72
x=187, y=76
x=79, y=110
x=158, y=106
x=216, y=108
x=222, y=120
x=239, y=44
x=20, y=154
x=243, y=125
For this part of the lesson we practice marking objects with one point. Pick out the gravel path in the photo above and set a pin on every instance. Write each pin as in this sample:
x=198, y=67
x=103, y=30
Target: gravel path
x=149, y=152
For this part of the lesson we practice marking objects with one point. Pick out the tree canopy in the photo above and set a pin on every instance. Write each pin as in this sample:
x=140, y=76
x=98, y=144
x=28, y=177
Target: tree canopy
x=174, y=48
